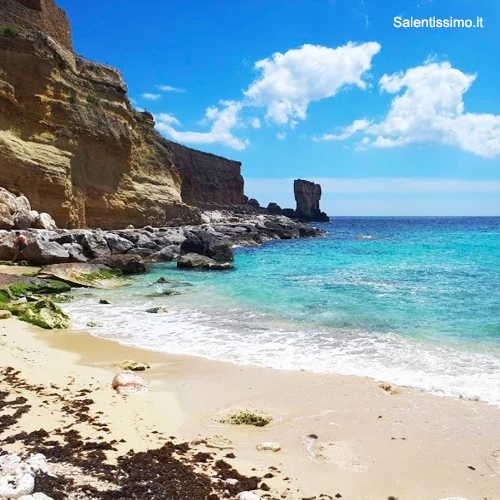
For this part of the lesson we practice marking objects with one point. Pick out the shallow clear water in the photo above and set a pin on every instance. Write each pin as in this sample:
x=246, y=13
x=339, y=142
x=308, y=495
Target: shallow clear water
x=412, y=301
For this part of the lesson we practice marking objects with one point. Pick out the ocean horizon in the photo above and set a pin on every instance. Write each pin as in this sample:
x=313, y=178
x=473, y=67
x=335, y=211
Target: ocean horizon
x=411, y=301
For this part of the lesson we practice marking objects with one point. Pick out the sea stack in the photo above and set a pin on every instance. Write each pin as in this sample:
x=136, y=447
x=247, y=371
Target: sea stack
x=307, y=196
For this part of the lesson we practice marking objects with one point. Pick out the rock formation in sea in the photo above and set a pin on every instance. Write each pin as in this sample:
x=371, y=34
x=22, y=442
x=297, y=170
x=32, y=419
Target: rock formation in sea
x=307, y=196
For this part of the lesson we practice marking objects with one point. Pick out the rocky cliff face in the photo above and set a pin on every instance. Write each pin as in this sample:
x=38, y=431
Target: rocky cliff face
x=208, y=179
x=307, y=196
x=69, y=139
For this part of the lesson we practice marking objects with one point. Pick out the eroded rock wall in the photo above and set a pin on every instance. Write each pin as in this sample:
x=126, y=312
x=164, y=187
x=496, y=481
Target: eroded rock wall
x=70, y=141
x=208, y=180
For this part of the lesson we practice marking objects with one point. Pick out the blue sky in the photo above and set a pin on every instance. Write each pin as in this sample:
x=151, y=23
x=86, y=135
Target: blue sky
x=391, y=121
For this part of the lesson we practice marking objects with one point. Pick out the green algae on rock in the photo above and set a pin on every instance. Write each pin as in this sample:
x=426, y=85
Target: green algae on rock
x=43, y=313
x=83, y=275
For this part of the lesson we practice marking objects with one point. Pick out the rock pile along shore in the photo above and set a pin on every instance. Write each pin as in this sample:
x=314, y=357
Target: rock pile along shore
x=207, y=245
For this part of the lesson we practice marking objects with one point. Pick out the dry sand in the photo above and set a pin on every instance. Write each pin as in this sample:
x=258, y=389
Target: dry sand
x=371, y=442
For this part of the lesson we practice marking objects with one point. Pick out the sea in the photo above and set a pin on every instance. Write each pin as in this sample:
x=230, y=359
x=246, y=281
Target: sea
x=412, y=301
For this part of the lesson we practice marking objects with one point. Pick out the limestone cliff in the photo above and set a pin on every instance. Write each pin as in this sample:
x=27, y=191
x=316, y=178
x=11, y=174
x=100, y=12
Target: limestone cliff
x=207, y=179
x=69, y=139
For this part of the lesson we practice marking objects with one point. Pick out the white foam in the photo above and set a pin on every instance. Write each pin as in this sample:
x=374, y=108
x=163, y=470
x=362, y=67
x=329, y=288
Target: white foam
x=249, y=337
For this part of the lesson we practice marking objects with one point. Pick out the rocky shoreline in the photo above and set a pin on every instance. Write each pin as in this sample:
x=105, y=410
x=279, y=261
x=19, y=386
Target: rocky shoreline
x=212, y=240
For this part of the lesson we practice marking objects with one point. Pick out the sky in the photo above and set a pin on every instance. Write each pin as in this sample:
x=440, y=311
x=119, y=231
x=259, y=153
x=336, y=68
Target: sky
x=390, y=120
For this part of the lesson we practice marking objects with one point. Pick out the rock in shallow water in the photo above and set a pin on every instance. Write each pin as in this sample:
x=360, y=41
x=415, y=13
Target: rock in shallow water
x=204, y=243
x=195, y=261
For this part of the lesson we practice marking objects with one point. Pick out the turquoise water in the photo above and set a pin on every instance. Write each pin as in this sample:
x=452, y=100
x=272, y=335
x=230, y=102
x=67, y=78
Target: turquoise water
x=412, y=301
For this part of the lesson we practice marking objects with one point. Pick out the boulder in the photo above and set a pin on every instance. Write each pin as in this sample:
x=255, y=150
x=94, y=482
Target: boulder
x=8, y=200
x=75, y=251
x=65, y=238
x=81, y=274
x=274, y=209
x=127, y=382
x=253, y=203
x=203, y=243
x=127, y=264
x=195, y=261
x=6, y=219
x=42, y=252
x=95, y=245
x=164, y=255
x=289, y=212
x=142, y=252
x=117, y=244
x=7, y=247
x=44, y=221
x=24, y=219
x=144, y=242
x=5, y=314
x=22, y=203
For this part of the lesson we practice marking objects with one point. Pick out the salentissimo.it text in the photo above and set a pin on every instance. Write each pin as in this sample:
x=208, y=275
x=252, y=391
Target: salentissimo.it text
x=433, y=22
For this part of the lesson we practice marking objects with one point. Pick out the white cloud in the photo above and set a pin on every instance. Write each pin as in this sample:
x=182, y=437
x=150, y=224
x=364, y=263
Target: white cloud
x=221, y=119
x=430, y=109
x=289, y=82
x=151, y=97
x=167, y=118
x=255, y=123
x=169, y=88
x=347, y=132
x=281, y=136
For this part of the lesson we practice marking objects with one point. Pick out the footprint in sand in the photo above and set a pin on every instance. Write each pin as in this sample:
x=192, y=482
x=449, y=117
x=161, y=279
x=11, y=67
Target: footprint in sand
x=337, y=453
x=493, y=461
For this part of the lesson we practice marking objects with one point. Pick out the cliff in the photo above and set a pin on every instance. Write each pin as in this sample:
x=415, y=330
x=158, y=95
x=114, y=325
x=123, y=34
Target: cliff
x=69, y=139
x=207, y=179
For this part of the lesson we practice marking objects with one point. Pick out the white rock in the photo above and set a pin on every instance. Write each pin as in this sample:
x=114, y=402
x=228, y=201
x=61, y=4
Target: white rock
x=128, y=382
x=231, y=481
x=269, y=446
x=44, y=221
x=247, y=495
x=22, y=203
x=16, y=486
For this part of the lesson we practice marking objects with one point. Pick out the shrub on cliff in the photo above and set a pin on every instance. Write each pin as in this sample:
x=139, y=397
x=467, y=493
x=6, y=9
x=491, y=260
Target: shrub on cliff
x=92, y=99
x=9, y=31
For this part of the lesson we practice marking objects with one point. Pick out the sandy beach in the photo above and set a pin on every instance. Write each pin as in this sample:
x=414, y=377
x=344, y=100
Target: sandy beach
x=365, y=441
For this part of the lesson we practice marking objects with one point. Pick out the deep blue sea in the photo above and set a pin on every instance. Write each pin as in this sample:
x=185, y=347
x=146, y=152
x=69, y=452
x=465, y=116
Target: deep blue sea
x=408, y=300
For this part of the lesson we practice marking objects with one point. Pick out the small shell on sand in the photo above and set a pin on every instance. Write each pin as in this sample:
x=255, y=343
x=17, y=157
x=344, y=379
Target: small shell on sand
x=128, y=382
